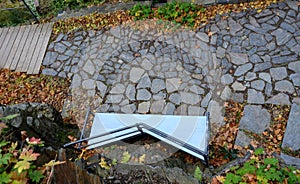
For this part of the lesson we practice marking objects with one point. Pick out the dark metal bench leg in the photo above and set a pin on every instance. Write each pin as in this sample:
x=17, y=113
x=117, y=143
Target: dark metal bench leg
x=30, y=11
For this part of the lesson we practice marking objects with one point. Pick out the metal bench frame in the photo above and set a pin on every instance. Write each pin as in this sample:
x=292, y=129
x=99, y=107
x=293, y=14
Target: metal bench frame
x=140, y=129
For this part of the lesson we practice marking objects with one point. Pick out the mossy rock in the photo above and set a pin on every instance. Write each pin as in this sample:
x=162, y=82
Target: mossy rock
x=40, y=121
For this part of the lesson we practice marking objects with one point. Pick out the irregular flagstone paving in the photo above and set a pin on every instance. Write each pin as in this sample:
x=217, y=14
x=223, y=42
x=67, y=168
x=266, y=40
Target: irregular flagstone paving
x=249, y=57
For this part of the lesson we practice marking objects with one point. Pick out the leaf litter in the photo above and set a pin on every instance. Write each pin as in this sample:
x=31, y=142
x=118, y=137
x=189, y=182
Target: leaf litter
x=16, y=87
x=19, y=88
x=100, y=21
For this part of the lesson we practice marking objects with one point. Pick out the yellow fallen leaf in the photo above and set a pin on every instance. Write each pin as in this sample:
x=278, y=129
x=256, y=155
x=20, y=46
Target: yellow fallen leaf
x=53, y=163
x=277, y=131
x=142, y=158
x=104, y=164
x=253, y=157
x=81, y=154
x=220, y=178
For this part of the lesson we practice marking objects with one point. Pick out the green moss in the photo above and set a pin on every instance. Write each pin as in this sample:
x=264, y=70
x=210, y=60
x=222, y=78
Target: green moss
x=14, y=17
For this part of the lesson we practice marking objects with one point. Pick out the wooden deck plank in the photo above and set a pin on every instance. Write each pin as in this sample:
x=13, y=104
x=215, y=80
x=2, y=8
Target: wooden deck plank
x=3, y=33
x=27, y=45
x=14, y=48
x=1, y=30
x=34, y=69
x=10, y=44
x=3, y=47
x=37, y=49
x=23, y=48
x=2, y=38
x=20, y=47
x=33, y=47
x=5, y=38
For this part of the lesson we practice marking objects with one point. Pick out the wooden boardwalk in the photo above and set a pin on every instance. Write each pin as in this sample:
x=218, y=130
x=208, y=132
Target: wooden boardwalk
x=22, y=48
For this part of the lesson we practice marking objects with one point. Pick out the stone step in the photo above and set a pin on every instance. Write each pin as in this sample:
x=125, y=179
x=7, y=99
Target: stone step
x=291, y=160
x=292, y=135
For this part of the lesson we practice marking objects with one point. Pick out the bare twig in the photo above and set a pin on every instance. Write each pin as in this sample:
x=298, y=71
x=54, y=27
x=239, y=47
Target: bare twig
x=51, y=172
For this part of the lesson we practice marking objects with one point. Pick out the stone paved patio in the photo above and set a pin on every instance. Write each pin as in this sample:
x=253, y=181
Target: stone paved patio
x=250, y=57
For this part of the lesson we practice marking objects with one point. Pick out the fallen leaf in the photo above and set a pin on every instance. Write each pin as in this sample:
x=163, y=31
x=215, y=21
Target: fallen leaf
x=126, y=157
x=2, y=126
x=104, y=164
x=220, y=178
x=28, y=155
x=142, y=158
x=54, y=163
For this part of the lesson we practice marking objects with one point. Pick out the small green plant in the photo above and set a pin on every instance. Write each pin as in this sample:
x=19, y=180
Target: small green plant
x=9, y=117
x=13, y=13
x=198, y=174
x=17, y=165
x=14, y=17
x=179, y=12
x=6, y=118
x=126, y=157
x=261, y=170
x=73, y=4
x=141, y=11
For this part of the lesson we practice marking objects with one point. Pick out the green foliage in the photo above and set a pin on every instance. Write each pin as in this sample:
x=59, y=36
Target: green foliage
x=32, y=7
x=141, y=11
x=9, y=117
x=45, y=7
x=126, y=157
x=248, y=168
x=266, y=170
x=5, y=178
x=35, y=176
x=14, y=17
x=12, y=13
x=259, y=151
x=114, y=162
x=179, y=12
x=3, y=143
x=198, y=174
x=271, y=161
x=24, y=160
x=232, y=178
x=58, y=5
x=3, y=126
x=9, y=4
x=18, y=165
x=4, y=159
x=290, y=173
